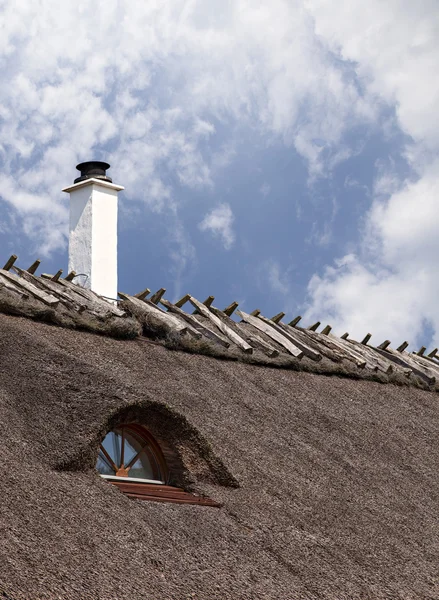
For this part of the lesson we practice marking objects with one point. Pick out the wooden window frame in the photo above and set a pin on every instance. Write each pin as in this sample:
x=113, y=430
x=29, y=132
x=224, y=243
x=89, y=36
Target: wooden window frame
x=157, y=490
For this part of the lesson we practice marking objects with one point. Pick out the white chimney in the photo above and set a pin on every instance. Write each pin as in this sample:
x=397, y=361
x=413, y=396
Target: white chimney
x=93, y=229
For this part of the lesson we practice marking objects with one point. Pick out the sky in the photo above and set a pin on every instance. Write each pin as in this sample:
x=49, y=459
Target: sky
x=278, y=153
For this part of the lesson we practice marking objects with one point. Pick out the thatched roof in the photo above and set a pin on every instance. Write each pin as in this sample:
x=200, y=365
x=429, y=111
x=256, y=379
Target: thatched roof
x=329, y=484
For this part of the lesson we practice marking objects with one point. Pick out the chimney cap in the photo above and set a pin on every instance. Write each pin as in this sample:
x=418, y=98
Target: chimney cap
x=93, y=169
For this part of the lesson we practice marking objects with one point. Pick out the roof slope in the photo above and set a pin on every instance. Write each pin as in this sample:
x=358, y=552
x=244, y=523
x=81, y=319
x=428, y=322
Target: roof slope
x=338, y=478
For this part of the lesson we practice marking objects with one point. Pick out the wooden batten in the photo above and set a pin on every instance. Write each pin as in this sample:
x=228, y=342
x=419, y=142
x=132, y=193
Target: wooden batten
x=182, y=301
x=277, y=317
x=272, y=333
x=225, y=329
x=20, y=282
x=9, y=285
x=201, y=327
x=34, y=266
x=384, y=345
x=295, y=321
x=9, y=263
x=348, y=347
x=57, y=275
x=170, y=321
x=50, y=287
x=155, y=298
x=143, y=294
x=339, y=351
x=294, y=336
x=229, y=310
x=97, y=304
x=253, y=339
x=376, y=361
x=404, y=360
x=366, y=339
x=207, y=302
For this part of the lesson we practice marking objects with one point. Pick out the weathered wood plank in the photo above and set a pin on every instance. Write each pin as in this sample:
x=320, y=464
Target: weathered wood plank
x=252, y=338
x=100, y=305
x=11, y=260
x=368, y=353
x=293, y=336
x=207, y=302
x=340, y=352
x=348, y=347
x=171, y=321
x=51, y=287
x=13, y=288
x=143, y=294
x=155, y=298
x=48, y=299
x=227, y=331
x=196, y=324
x=403, y=360
x=277, y=317
x=295, y=321
x=272, y=333
x=229, y=310
x=34, y=266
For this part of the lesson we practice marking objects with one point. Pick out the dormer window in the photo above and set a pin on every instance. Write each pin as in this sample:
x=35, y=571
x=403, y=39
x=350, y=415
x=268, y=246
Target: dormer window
x=131, y=459
x=130, y=452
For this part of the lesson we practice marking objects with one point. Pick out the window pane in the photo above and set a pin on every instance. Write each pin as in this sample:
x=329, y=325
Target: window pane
x=103, y=466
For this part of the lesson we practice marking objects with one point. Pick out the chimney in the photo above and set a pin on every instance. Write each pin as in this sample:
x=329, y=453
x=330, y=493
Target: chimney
x=93, y=228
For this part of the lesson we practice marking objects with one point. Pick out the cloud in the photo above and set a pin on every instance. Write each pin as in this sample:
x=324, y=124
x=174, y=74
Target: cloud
x=390, y=285
x=145, y=85
x=219, y=222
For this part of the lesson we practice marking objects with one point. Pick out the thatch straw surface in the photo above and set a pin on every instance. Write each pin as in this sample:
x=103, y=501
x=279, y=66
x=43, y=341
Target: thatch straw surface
x=338, y=479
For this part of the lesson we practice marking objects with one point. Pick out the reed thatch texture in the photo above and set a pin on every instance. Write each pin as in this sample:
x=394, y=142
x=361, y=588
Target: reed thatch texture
x=338, y=478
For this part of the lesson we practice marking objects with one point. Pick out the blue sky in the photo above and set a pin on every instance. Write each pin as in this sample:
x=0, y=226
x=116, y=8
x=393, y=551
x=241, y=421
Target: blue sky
x=282, y=154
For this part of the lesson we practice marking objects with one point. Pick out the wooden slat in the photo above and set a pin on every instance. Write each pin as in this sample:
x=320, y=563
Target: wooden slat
x=227, y=331
x=195, y=324
x=11, y=260
x=295, y=321
x=100, y=305
x=372, y=357
x=277, y=317
x=168, y=320
x=48, y=299
x=403, y=360
x=207, y=302
x=50, y=287
x=366, y=339
x=229, y=310
x=34, y=266
x=155, y=298
x=348, y=347
x=339, y=352
x=157, y=493
x=13, y=288
x=294, y=337
x=253, y=339
x=271, y=332
x=143, y=294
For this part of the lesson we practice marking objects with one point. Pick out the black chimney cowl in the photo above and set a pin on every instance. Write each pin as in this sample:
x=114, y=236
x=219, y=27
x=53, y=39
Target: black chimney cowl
x=93, y=169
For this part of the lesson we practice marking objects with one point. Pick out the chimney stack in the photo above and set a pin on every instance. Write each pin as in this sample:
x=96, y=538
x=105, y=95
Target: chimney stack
x=93, y=228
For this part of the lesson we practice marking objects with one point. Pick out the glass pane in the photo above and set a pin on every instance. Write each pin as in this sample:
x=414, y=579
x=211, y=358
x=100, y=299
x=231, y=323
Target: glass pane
x=103, y=466
x=111, y=444
x=142, y=468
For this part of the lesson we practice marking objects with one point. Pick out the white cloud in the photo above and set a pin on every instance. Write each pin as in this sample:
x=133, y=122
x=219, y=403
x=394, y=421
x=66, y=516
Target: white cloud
x=143, y=84
x=390, y=286
x=219, y=222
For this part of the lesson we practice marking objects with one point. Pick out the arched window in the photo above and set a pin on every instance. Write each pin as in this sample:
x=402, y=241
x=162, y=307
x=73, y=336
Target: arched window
x=131, y=459
x=130, y=452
